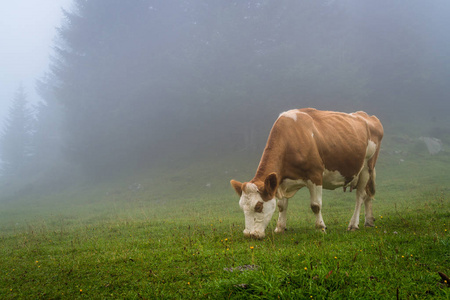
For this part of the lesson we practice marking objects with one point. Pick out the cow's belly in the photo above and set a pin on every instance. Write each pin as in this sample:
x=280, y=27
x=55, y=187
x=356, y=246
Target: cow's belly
x=330, y=180
x=333, y=179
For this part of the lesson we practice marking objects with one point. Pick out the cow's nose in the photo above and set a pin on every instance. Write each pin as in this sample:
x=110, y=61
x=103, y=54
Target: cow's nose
x=247, y=233
x=257, y=235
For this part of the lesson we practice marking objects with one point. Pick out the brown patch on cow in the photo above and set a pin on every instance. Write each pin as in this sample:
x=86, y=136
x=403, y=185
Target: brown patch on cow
x=269, y=187
x=259, y=207
x=259, y=185
x=370, y=187
x=315, y=208
x=265, y=193
x=280, y=208
x=237, y=186
x=271, y=184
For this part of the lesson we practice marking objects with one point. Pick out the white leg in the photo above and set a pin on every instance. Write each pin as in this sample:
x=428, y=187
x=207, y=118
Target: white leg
x=282, y=208
x=361, y=195
x=369, y=222
x=315, y=192
x=354, y=222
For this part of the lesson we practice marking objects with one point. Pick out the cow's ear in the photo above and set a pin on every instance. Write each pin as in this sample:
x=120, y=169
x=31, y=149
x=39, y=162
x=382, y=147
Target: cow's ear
x=237, y=186
x=270, y=186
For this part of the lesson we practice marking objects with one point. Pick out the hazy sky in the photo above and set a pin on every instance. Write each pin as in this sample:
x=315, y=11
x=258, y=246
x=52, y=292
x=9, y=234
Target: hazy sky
x=27, y=31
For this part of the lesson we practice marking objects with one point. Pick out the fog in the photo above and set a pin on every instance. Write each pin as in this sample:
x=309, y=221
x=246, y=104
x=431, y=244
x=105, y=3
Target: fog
x=131, y=83
x=27, y=30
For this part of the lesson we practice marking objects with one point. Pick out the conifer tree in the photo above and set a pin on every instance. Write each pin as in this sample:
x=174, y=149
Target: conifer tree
x=15, y=138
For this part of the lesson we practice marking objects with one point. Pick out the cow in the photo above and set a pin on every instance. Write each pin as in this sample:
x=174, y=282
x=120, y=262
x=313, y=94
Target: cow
x=316, y=149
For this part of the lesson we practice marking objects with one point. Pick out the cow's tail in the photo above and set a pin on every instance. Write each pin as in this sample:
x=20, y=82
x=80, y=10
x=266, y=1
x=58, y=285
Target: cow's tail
x=376, y=132
x=370, y=187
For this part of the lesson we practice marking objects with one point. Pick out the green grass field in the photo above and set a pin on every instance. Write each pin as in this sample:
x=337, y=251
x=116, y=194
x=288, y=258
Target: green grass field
x=180, y=236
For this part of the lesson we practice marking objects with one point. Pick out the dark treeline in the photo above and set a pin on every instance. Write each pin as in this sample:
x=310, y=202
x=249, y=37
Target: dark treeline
x=132, y=82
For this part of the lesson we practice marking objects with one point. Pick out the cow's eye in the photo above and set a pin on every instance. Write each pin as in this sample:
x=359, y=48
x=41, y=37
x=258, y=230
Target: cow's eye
x=259, y=207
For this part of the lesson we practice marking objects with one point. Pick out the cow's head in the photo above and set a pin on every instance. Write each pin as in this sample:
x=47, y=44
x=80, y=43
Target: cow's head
x=258, y=203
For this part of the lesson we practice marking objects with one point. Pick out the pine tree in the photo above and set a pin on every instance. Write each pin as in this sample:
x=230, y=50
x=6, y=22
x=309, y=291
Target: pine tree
x=15, y=138
x=47, y=135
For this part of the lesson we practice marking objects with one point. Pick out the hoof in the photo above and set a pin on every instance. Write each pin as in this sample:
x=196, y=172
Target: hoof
x=280, y=230
x=370, y=222
x=352, y=228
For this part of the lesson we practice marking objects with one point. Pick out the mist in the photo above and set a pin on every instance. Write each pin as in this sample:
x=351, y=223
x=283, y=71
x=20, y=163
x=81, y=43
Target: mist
x=135, y=84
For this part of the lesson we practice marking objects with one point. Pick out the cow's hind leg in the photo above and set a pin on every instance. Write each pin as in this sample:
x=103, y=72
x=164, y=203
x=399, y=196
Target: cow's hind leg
x=361, y=196
x=370, y=192
x=370, y=220
x=282, y=209
x=315, y=192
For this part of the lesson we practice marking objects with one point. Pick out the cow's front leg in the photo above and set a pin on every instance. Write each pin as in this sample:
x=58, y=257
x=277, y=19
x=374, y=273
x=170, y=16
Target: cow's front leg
x=282, y=208
x=315, y=192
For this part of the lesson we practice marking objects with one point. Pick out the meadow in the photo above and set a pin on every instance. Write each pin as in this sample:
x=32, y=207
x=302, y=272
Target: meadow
x=177, y=233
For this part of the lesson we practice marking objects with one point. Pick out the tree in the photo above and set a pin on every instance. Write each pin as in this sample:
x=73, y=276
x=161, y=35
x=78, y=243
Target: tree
x=48, y=161
x=145, y=78
x=135, y=80
x=15, y=139
x=114, y=73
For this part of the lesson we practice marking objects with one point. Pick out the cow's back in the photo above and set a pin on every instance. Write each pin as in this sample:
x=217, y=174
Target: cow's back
x=326, y=140
x=341, y=139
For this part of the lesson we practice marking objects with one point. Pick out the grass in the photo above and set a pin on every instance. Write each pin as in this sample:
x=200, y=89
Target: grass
x=180, y=236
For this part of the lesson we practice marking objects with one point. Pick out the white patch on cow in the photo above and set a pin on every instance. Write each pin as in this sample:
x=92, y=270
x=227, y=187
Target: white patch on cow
x=332, y=180
x=371, y=148
x=289, y=187
x=251, y=188
x=255, y=222
x=290, y=114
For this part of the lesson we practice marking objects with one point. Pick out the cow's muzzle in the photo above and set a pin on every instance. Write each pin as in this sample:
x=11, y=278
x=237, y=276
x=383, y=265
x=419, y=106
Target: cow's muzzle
x=254, y=234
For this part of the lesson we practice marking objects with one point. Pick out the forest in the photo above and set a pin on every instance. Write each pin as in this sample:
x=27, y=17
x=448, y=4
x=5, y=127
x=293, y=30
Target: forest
x=117, y=184
x=135, y=83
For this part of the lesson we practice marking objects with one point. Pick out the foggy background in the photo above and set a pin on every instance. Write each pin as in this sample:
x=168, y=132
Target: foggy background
x=27, y=31
x=131, y=83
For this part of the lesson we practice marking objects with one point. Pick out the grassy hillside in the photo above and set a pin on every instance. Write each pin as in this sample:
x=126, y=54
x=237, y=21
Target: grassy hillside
x=175, y=231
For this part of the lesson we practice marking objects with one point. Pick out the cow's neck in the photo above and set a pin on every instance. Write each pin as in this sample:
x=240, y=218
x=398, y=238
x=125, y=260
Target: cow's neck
x=271, y=161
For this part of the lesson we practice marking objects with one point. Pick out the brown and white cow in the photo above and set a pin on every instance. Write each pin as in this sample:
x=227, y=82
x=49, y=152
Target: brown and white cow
x=316, y=149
